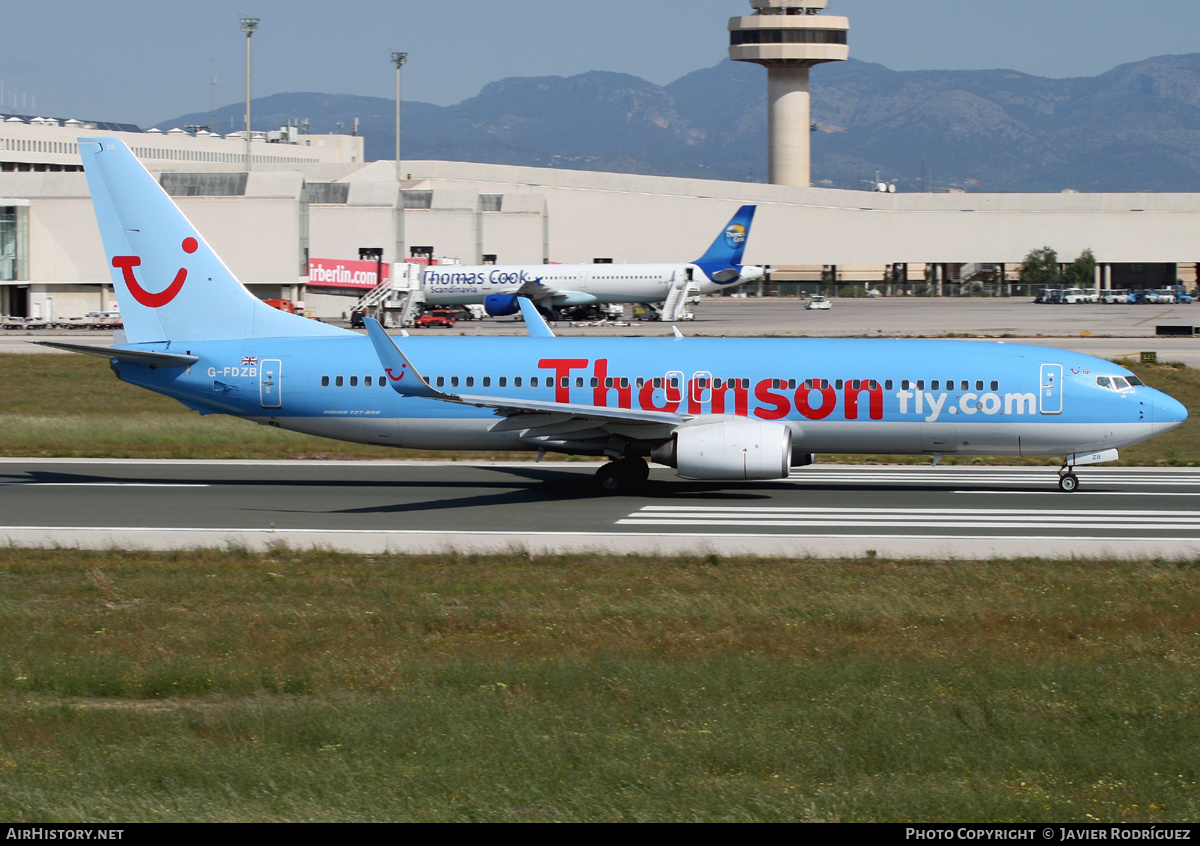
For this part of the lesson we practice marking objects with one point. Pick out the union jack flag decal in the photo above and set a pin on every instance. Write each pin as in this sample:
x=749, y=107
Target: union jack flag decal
x=249, y=362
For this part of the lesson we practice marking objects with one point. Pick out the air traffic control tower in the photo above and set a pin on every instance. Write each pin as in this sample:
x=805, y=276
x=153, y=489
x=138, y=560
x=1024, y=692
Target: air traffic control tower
x=788, y=37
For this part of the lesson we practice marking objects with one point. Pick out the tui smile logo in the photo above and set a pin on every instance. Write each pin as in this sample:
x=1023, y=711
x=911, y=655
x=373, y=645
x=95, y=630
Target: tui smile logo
x=162, y=298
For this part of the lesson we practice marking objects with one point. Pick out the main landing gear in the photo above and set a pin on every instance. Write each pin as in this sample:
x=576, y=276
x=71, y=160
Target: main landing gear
x=622, y=476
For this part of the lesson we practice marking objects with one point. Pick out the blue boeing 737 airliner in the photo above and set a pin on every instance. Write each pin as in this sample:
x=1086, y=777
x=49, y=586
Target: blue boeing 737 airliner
x=714, y=409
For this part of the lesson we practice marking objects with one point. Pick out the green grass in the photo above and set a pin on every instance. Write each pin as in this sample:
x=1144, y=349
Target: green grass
x=73, y=407
x=55, y=406
x=228, y=686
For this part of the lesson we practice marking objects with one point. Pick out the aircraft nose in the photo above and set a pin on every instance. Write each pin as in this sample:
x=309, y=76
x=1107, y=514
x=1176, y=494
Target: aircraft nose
x=1167, y=413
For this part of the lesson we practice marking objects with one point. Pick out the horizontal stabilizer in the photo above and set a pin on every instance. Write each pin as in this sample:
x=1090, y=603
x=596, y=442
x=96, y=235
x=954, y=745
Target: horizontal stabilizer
x=144, y=357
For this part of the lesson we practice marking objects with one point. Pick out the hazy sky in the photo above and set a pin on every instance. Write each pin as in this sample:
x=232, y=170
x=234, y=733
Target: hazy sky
x=137, y=61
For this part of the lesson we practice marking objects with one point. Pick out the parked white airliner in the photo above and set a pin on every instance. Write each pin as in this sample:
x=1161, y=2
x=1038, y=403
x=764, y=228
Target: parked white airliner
x=559, y=286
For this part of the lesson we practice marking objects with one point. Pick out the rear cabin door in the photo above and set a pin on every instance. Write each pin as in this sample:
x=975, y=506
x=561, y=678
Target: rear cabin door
x=269, y=379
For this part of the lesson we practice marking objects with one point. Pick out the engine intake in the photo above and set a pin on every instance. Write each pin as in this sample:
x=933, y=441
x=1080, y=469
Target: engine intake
x=501, y=305
x=742, y=450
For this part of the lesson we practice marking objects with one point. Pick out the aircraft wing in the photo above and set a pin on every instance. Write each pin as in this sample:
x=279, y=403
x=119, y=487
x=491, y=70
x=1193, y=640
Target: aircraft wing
x=535, y=289
x=407, y=381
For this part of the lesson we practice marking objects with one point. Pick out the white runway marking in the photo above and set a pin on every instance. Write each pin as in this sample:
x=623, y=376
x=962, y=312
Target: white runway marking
x=911, y=518
x=1048, y=475
x=97, y=485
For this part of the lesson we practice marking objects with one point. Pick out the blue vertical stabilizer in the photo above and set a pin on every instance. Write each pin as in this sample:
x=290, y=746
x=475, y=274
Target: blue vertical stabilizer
x=169, y=282
x=726, y=252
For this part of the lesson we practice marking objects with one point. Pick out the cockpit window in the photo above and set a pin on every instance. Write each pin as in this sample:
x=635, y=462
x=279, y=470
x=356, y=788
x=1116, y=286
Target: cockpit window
x=1117, y=383
x=1136, y=382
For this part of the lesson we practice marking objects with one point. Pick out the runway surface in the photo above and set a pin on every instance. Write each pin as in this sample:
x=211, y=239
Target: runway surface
x=822, y=511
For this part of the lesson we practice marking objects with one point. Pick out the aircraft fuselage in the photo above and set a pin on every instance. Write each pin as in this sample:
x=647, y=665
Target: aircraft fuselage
x=854, y=396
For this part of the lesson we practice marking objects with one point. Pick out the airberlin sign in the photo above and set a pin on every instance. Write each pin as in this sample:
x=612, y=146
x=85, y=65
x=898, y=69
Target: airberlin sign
x=339, y=273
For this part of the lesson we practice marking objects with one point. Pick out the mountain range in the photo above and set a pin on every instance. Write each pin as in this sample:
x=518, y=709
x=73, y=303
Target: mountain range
x=1133, y=129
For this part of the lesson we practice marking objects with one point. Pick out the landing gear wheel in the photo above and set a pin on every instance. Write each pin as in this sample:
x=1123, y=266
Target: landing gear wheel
x=622, y=476
x=1068, y=483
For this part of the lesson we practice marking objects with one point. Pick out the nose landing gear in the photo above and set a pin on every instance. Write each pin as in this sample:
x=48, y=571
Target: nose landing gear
x=1068, y=482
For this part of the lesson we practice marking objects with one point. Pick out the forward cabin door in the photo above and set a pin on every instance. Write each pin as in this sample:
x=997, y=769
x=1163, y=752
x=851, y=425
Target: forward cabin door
x=1050, y=398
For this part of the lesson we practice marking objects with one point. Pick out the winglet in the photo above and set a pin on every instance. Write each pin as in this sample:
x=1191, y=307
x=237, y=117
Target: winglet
x=404, y=378
x=538, y=328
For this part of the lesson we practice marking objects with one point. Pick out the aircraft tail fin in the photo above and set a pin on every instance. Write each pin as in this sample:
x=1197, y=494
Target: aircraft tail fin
x=726, y=252
x=170, y=284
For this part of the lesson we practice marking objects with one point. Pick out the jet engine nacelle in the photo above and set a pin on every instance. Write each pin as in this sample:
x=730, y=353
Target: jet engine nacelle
x=746, y=450
x=501, y=305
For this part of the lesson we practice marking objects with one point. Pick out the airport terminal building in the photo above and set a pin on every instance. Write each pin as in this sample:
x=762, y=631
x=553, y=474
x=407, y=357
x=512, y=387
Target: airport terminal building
x=307, y=201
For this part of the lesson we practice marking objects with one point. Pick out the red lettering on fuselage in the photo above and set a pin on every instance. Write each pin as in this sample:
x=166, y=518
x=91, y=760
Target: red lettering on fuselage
x=828, y=402
x=876, y=400
x=646, y=398
x=741, y=398
x=813, y=400
x=562, y=368
x=780, y=406
x=600, y=392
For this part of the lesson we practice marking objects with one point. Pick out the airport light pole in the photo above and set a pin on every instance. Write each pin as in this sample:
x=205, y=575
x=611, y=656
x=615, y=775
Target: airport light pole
x=249, y=26
x=399, y=60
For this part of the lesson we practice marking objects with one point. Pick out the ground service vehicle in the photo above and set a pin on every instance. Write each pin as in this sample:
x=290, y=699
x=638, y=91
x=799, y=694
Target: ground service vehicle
x=438, y=317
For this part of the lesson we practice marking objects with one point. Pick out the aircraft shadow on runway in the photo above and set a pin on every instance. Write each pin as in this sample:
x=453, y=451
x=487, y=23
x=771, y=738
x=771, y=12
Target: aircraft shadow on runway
x=529, y=486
